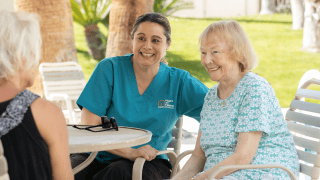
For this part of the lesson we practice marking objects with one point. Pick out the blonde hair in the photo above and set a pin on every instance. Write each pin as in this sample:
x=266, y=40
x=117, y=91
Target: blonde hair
x=239, y=45
x=20, y=42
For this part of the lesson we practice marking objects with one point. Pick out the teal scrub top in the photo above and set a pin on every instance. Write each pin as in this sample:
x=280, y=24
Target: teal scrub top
x=112, y=91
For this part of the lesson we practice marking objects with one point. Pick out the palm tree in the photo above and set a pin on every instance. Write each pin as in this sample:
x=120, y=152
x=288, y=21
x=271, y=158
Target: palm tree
x=297, y=14
x=56, y=30
x=167, y=9
x=267, y=7
x=311, y=30
x=122, y=17
x=89, y=13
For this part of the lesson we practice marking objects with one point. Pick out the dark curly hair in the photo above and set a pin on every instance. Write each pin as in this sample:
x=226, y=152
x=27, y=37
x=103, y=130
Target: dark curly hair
x=154, y=18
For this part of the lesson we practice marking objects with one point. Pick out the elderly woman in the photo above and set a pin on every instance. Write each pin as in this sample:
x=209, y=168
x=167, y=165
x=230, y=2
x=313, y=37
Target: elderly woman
x=140, y=90
x=241, y=120
x=32, y=130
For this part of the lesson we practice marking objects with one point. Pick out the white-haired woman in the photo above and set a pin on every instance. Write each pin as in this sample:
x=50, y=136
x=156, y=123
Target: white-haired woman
x=32, y=130
x=241, y=120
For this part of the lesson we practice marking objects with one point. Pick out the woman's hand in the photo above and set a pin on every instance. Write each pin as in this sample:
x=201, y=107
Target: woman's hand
x=194, y=165
x=200, y=176
x=147, y=152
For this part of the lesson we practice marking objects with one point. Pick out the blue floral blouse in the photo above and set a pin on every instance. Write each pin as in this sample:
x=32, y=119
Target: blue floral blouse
x=252, y=106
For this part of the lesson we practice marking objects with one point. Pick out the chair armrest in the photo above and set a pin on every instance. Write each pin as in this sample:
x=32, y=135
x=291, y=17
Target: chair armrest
x=139, y=162
x=85, y=163
x=176, y=167
x=251, y=166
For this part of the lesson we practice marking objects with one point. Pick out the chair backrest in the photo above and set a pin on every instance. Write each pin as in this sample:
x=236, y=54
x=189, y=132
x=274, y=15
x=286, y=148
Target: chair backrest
x=303, y=120
x=312, y=73
x=176, y=136
x=62, y=78
x=3, y=165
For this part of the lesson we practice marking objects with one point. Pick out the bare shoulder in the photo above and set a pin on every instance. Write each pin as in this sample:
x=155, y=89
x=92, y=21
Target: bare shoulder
x=48, y=118
x=42, y=108
x=41, y=104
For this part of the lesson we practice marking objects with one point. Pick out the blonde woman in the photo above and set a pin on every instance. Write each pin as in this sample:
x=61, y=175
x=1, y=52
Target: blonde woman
x=32, y=130
x=241, y=120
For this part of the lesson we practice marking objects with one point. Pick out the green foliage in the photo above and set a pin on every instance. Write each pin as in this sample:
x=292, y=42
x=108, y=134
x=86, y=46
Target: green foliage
x=160, y=6
x=281, y=61
x=90, y=11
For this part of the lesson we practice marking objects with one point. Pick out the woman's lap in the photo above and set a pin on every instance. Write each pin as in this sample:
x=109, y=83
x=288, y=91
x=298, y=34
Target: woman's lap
x=87, y=173
x=120, y=169
x=267, y=177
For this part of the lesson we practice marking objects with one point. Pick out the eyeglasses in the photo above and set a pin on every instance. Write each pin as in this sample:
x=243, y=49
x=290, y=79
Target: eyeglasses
x=106, y=124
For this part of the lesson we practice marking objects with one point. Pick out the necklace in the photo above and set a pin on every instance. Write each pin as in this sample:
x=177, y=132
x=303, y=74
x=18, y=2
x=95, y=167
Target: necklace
x=223, y=104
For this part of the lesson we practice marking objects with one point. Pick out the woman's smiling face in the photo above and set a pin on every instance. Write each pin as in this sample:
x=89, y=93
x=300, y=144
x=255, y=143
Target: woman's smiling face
x=215, y=57
x=149, y=44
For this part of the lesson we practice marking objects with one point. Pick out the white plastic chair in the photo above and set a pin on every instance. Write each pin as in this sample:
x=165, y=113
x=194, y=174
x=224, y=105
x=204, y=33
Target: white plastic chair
x=64, y=82
x=175, y=144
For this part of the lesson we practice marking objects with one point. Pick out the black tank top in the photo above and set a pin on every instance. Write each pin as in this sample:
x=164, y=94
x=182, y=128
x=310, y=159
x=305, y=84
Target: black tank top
x=26, y=151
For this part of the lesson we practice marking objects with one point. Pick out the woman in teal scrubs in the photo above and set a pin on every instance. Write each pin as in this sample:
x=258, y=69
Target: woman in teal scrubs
x=140, y=90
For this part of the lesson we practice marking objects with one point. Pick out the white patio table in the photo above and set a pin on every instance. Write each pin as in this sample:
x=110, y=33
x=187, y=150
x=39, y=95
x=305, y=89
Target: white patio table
x=86, y=141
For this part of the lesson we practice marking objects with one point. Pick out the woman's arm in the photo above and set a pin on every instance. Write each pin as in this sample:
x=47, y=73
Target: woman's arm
x=248, y=143
x=147, y=152
x=89, y=118
x=51, y=124
x=195, y=163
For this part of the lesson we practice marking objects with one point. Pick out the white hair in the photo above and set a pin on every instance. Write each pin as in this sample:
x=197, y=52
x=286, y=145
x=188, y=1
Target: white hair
x=20, y=42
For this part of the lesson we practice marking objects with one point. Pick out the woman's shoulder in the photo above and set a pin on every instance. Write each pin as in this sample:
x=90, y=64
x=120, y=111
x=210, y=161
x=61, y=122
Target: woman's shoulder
x=116, y=60
x=253, y=83
x=48, y=117
x=253, y=80
x=46, y=112
x=42, y=105
x=176, y=72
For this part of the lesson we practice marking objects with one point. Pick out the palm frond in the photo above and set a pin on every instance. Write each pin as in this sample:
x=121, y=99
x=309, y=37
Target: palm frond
x=90, y=11
x=85, y=8
x=174, y=6
x=76, y=12
x=158, y=5
x=105, y=10
x=94, y=8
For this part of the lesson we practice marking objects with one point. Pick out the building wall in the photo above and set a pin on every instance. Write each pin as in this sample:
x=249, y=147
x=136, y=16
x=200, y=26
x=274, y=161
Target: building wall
x=221, y=8
x=7, y=5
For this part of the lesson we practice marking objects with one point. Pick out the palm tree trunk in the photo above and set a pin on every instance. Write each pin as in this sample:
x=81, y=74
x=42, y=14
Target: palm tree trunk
x=93, y=39
x=311, y=37
x=56, y=26
x=267, y=7
x=122, y=17
x=297, y=14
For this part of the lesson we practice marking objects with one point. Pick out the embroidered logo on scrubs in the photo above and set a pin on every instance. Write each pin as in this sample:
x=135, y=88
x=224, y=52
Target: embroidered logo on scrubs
x=165, y=104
